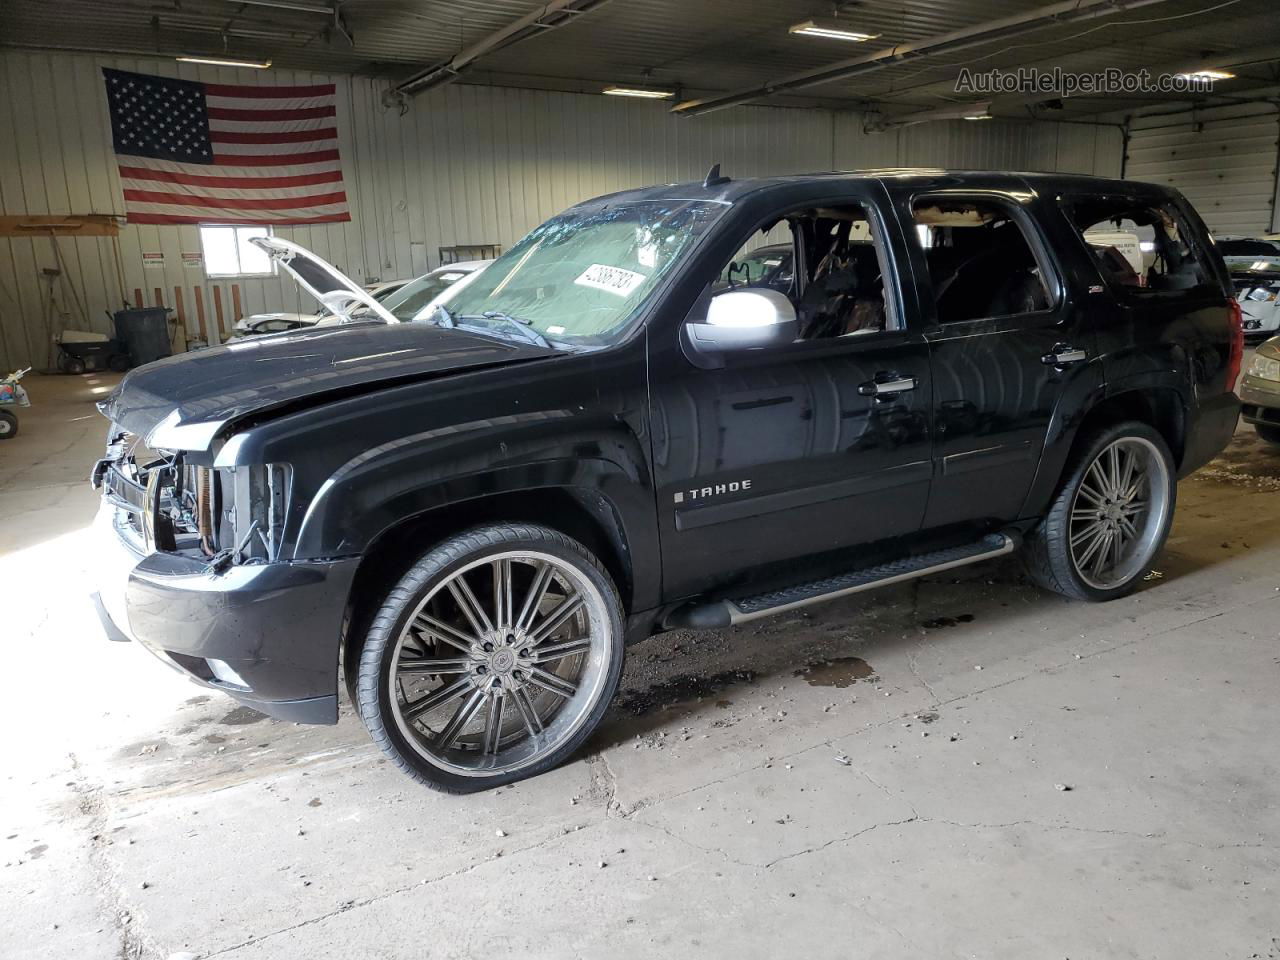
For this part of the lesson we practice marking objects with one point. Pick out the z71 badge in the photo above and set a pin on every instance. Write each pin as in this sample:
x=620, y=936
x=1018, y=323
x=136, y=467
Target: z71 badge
x=702, y=493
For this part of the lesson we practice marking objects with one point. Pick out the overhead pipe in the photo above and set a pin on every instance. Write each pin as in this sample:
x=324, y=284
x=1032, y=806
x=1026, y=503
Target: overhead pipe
x=555, y=13
x=1054, y=15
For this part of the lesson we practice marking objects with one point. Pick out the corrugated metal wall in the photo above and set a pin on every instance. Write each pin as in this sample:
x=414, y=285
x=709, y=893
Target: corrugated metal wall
x=1223, y=160
x=465, y=164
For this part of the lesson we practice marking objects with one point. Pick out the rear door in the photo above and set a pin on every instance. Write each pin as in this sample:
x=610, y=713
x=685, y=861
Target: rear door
x=1012, y=350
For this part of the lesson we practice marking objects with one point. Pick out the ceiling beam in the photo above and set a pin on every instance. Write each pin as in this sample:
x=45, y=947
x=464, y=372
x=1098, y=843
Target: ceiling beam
x=1249, y=55
x=1187, y=37
x=302, y=6
x=549, y=16
x=1054, y=15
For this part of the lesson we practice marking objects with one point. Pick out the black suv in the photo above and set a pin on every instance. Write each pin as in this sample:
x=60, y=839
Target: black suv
x=613, y=431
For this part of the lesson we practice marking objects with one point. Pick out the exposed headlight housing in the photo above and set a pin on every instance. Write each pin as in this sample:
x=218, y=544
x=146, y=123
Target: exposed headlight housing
x=253, y=505
x=1264, y=368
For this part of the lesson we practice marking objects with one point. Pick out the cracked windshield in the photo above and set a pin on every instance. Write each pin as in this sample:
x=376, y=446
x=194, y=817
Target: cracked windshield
x=578, y=279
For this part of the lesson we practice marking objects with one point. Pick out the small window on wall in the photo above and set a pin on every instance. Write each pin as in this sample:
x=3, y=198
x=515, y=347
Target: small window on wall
x=228, y=252
x=1143, y=251
x=980, y=260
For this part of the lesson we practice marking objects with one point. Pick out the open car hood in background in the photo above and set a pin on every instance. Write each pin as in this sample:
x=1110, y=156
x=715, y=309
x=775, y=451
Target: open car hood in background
x=182, y=402
x=334, y=289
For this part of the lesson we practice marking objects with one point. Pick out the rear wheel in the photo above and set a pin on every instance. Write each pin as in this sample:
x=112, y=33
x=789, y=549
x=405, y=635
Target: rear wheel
x=492, y=659
x=8, y=425
x=1269, y=434
x=1110, y=518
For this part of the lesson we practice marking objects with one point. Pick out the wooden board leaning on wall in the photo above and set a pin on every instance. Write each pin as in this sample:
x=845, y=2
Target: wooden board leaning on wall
x=77, y=225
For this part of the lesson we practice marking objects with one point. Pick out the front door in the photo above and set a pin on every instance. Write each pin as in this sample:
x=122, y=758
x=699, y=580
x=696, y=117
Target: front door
x=788, y=452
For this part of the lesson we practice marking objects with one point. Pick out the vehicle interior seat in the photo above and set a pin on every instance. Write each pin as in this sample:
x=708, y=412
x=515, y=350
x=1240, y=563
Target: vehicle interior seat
x=846, y=293
x=988, y=271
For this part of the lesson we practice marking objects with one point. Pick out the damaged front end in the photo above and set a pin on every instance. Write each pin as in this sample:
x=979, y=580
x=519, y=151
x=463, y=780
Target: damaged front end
x=198, y=574
x=218, y=515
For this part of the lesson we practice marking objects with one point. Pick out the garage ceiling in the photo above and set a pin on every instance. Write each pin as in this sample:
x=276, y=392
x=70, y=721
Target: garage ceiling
x=701, y=47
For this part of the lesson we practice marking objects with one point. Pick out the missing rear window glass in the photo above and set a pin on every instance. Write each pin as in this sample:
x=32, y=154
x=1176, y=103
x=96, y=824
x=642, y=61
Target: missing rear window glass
x=1141, y=251
x=980, y=261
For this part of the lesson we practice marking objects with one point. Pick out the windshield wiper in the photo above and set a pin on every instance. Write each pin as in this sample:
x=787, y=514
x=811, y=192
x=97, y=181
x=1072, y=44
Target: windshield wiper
x=523, y=327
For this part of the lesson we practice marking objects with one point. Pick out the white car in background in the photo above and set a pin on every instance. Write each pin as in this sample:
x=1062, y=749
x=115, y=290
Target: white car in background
x=1247, y=248
x=416, y=299
x=1257, y=283
x=279, y=322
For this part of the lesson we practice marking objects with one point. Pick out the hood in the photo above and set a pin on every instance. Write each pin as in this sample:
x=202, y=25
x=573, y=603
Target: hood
x=182, y=402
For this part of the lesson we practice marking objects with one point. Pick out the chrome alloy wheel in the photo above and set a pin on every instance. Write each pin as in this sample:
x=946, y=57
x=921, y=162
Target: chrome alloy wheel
x=1119, y=512
x=489, y=686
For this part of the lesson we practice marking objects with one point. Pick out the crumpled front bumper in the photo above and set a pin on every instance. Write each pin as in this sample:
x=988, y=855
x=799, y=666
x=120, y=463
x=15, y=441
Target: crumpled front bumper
x=277, y=626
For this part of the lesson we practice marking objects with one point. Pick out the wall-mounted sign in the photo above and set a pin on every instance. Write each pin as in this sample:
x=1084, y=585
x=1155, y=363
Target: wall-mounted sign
x=192, y=261
x=153, y=260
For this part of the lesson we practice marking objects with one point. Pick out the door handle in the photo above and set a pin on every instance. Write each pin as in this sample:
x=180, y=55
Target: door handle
x=1062, y=354
x=887, y=388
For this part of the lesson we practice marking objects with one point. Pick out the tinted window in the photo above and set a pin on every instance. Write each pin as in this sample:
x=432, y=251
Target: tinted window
x=980, y=260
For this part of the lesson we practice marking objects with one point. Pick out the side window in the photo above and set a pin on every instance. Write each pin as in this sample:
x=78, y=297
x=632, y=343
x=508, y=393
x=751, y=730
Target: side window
x=1142, y=250
x=980, y=261
x=827, y=261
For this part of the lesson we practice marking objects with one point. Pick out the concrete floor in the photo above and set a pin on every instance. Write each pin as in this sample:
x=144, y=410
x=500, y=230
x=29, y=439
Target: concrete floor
x=882, y=778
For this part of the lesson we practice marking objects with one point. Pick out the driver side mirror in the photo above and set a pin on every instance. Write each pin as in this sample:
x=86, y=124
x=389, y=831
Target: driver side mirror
x=750, y=319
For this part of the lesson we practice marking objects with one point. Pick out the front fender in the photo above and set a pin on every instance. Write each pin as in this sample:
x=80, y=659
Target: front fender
x=408, y=477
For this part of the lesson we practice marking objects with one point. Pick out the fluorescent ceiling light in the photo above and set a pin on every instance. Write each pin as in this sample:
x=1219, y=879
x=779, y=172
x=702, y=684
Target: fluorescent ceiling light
x=217, y=62
x=647, y=93
x=1206, y=75
x=976, y=116
x=830, y=28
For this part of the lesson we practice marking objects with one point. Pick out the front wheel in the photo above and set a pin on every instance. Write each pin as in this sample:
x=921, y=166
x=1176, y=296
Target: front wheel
x=492, y=659
x=1110, y=518
x=8, y=425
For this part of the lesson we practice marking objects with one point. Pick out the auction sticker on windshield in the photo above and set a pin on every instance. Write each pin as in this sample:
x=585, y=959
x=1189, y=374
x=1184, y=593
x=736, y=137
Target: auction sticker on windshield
x=613, y=280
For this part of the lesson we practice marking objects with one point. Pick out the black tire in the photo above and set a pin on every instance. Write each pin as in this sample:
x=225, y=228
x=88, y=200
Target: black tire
x=381, y=648
x=1048, y=556
x=8, y=425
x=1269, y=434
x=74, y=365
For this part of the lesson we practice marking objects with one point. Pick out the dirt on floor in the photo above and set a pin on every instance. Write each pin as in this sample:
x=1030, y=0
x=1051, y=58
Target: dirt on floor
x=959, y=766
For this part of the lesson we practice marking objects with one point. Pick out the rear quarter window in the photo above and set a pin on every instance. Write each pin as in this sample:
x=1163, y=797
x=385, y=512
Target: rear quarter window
x=1144, y=250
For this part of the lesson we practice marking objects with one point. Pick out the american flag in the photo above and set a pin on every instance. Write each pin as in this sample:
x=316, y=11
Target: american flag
x=215, y=153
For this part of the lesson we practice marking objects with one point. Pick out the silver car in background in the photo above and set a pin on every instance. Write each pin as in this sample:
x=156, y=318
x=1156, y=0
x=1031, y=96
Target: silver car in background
x=1260, y=391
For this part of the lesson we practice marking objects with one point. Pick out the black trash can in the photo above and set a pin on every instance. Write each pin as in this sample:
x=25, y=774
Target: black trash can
x=144, y=331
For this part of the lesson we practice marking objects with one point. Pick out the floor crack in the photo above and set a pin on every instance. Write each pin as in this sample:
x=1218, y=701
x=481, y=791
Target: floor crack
x=368, y=901
x=135, y=944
